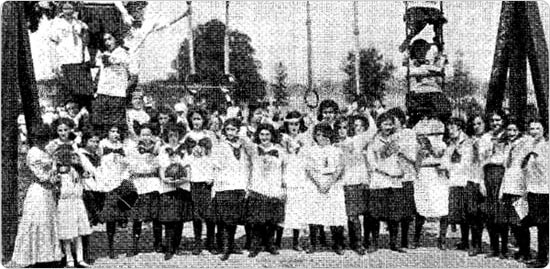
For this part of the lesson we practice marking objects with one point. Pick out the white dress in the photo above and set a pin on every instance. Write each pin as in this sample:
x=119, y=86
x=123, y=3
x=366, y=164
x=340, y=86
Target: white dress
x=324, y=209
x=37, y=234
x=73, y=217
x=295, y=179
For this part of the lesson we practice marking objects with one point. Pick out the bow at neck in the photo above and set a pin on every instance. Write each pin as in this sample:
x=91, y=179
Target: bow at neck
x=263, y=152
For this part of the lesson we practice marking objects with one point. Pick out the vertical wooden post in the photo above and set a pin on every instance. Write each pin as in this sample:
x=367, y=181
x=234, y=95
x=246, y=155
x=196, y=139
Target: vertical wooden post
x=357, y=49
x=518, y=65
x=537, y=52
x=226, y=41
x=309, y=52
x=191, y=39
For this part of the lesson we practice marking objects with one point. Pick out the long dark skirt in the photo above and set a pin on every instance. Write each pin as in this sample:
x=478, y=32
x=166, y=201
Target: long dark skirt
x=108, y=111
x=201, y=194
x=493, y=180
x=118, y=203
x=94, y=202
x=77, y=79
x=457, y=205
x=409, y=206
x=146, y=207
x=507, y=213
x=261, y=209
x=175, y=206
x=229, y=207
x=538, y=208
x=386, y=204
x=356, y=197
x=473, y=199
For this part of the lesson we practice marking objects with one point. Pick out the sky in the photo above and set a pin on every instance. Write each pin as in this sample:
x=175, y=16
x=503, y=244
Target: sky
x=278, y=33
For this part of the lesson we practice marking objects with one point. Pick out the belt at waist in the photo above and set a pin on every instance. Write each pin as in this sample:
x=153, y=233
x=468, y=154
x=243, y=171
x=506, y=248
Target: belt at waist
x=430, y=165
x=153, y=174
x=388, y=175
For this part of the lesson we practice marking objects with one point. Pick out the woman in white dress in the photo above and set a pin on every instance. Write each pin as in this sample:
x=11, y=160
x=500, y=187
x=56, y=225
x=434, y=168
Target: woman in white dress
x=37, y=239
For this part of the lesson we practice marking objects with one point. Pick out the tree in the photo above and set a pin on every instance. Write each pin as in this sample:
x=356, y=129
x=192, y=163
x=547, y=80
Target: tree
x=374, y=72
x=461, y=84
x=209, y=54
x=280, y=86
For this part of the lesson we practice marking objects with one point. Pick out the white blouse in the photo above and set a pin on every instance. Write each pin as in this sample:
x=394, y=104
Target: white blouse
x=231, y=173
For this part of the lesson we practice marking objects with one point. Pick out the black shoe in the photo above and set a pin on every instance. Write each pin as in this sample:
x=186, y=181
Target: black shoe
x=297, y=247
x=237, y=251
x=441, y=244
x=339, y=250
x=253, y=253
x=168, y=256
x=180, y=252
x=214, y=251
x=415, y=244
x=112, y=254
x=225, y=257
x=372, y=249
x=359, y=250
x=159, y=248
x=461, y=246
x=273, y=251
x=397, y=249
x=492, y=255
x=82, y=264
x=537, y=264
x=503, y=256
x=473, y=252
x=311, y=250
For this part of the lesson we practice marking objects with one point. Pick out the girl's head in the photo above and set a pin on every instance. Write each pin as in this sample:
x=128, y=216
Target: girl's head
x=257, y=115
x=173, y=133
x=231, y=128
x=67, y=9
x=359, y=124
x=328, y=109
x=165, y=115
x=455, y=126
x=215, y=124
x=111, y=41
x=496, y=120
x=197, y=119
x=399, y=115
x=385, y=123
x=419, y=49
x=513, y=128
x=114, y=134
x=90, y=141
x=536, y=129
x=72, y=108
x=64, y=129
x=476, y=125
x=323, y=134
x=137, y=100
x=266, y=134
x=294, y=123
x=145, y=132
x=342, y=127
x=65, y=157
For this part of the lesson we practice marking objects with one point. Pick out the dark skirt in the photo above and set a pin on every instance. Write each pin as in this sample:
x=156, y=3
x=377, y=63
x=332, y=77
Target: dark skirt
x=538, y=208
x=386, y=204
x=118, y=203
x=228, y=207
x=94, y=202
x=427, y=15
x=356, y=199
x=507, y=213
x=261, y=209
x=77, y=80
x=473, y=199
x=457, y=205
x=109, y=111
x=409, y=206
x=175, y=206
x=201, y=194
x=492, y=205
x=146, y=207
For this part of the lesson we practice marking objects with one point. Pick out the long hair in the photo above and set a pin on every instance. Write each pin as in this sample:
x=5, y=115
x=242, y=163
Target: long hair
x=202, y=113
x=293, y=115
x=327, y=103
x=326, y=130
x=275, y=137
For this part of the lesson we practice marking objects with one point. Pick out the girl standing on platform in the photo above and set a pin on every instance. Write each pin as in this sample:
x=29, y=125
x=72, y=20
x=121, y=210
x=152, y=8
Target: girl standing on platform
x=112, y=179
x=324, y=168
x=294, y=140
x=72, y=215
x=175, y=203
x=233, y=171
x=265, y=204
x=37, y=241
x=198, y=143
x=144, y=175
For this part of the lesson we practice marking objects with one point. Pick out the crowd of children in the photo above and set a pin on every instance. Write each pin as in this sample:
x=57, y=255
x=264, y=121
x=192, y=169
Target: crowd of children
x=268, y=175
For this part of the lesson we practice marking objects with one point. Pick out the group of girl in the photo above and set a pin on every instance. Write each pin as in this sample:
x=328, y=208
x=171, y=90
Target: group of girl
x=169, y=172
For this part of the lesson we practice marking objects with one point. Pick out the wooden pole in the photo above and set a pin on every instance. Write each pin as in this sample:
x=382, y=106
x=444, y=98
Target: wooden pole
x=517, y=90
x=191, y=39
x=309, y=52
x=537, y=52
x=357, y=49
x=226, y=41
x=497, y=82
